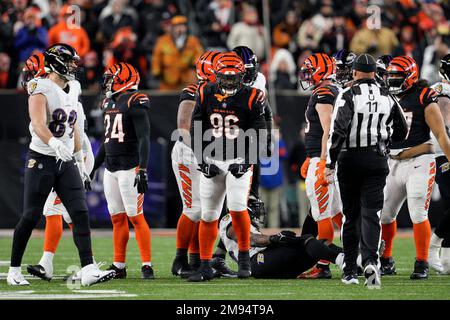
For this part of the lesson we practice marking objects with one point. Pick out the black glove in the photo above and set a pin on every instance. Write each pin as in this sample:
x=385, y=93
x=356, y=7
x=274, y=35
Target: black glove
x=141, y=181
x=284, y=238
x=238, y=170
x=209, y=170
x=87, y=185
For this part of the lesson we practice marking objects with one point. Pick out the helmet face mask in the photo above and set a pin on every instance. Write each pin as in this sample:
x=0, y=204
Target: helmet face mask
x=395, y=81
x=344, y=61
x=402, y=74
x=229, y=82
x=306, y=75
x=444, y=67
x=381, y=71
x=316, y=69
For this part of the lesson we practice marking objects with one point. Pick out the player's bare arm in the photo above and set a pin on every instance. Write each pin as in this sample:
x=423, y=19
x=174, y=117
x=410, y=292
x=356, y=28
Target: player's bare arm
x=435, y=121
x=37, y=105
x=184, y=118
x=325, y=112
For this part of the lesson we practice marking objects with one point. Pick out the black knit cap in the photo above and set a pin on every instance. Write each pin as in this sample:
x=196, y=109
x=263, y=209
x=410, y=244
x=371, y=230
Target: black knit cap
x=365, y=63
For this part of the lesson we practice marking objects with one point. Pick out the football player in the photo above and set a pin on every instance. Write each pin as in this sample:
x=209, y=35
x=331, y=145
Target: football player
x=344, y=62
x=440, y=239
x=382, y=64
x=53, y=107
x=225, y=110
x=412, y=164
x=317, y=72
x=125, y=151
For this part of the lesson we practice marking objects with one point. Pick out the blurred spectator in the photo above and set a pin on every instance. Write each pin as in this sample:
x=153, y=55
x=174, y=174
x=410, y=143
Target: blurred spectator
x=323, y=20
x=51, y=18
x=93, y=72
x=307, y=37
x=282, y=70
x=377, y=42
x=409, y=45
x=284, y=34
x=337, y=37
x=432, y=56
x=32, y=36
x=174, y=56
x=67, y=31
x=249, y=32
x=117, y=19
x=215, y=22
x=5, y=64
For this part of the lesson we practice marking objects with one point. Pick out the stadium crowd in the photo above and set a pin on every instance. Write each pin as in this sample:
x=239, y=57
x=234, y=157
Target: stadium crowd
x=164, y=37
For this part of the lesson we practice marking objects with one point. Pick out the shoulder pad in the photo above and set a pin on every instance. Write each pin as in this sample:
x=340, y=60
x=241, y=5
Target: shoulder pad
x=39, y=85
x=260, y=82
x=442, y=88
x=138, y=100
x=75, y=85
x=427, y=96
x=325, y=94
x=189, y=92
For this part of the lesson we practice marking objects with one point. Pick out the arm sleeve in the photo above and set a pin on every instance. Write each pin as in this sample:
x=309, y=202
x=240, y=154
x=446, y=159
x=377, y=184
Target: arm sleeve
x=99, y=157
x=142, y=128
x=342, y=118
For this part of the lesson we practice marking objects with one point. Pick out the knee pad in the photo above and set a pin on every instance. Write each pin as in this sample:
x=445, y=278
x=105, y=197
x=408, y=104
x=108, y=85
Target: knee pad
x=194, y=214
x=387, y=218
x=210, y=215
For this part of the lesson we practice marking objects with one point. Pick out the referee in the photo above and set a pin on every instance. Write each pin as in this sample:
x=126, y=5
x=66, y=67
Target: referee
x=365, y=119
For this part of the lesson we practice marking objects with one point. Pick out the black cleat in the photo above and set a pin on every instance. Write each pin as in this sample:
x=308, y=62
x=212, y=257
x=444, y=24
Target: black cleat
x=38, y=271
x=244, y=268
x=147, y=273
x=121, y=273
x=350, y=278
x=194, y=261
x=421, y=270
x=181, y=268
x=387, y=266
x=204, y=273
x=222, y=269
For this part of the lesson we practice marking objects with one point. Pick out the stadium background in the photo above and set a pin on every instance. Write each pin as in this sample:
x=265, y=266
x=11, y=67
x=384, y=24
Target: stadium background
x=281, y=32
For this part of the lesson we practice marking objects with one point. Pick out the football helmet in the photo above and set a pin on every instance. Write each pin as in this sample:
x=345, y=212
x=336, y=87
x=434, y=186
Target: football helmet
x=250, y=63
x=382, y=64
x=63, y=60
x=204, y=66
x=120, y=77
x=344, y=62
x=444, y=67
x=402, y=74
x=229, y=70
x=34, y=68
x=316, y=68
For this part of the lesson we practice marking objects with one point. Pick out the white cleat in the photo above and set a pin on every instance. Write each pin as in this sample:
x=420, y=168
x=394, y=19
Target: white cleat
x=434, y=261
x=16, y=279
x=91, y=274
x=373, y=278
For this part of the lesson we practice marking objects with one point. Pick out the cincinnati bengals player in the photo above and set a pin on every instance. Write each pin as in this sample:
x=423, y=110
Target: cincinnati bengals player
x=125, y=151
x=412, y=164
x=317, y=72
x=225, y=110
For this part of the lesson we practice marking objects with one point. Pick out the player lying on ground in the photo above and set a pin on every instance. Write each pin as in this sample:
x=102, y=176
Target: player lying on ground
x=125, y=151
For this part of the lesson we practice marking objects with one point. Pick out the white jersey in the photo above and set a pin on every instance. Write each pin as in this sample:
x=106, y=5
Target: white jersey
x=62, y=112
x=443, y=89
x=260, y=83
x=230, y=244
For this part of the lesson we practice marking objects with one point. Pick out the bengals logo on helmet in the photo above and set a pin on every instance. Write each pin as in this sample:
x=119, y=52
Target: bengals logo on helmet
x=204, y=66
x=34, y=67
x=120, y=77
x=402, y=74
x=316, y=68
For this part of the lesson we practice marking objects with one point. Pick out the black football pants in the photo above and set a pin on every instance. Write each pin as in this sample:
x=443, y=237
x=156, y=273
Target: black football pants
x=362, y=177
x=42, y=173
x=443, y=181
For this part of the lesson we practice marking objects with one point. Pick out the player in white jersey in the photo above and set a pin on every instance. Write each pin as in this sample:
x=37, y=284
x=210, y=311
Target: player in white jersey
x=439, y=250
x=50, y=164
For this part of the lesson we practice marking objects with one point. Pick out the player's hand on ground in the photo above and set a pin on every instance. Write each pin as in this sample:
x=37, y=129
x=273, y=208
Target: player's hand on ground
x=209, y=170
x=238, y=169
x=62, y=152
x=141, y=181
x=304, y=168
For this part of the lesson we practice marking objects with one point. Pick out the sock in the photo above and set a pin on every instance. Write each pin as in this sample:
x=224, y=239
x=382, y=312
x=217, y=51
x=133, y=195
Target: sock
x=207, y=235
x=143, y=238
x=185, y=228
x=387, y=234
x=15, y=270
x=435, y=241
x=326, y=230
x=147, y=264
x=340, y=261
x=194, y=260
x=337, y=219
x=119, y=265
x=422, y=235
x=121, y=234
x=194, y=245
x=53, y=232
x=47, y=258
x=241, y=225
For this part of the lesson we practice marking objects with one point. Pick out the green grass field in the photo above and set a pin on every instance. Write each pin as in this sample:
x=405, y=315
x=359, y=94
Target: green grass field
x=167, y=286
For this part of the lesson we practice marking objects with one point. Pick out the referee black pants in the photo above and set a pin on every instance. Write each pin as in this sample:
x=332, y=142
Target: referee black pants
x=362, y=177
x=443, y=181
x=42, y=173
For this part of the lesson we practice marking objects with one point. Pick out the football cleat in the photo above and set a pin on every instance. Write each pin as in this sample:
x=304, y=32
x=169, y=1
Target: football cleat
x=147, y=273
x=387, y=266
x=373, y=278
x=40, y=272
x=16, y=279
x=244, y=268
x=421, y=270
x=91, y=275
x=222, y=269
x=318, y=272
x=194, y=261
x=120, y=273
x=434, y=260
x=350, y=278
x=204, y=273
x=181, y=268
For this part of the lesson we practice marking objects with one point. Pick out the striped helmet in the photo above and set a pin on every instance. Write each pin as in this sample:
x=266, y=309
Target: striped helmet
x=34, y=67
x=402, y=74
x=316, y=68
x=204, y=66
x=120, y=77
x=229, y=70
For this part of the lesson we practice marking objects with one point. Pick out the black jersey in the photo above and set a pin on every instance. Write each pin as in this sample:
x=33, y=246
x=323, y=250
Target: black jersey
x=226, y=119
x=413, y=102
x=121, y=143
x=314, y=131
x=189, y=92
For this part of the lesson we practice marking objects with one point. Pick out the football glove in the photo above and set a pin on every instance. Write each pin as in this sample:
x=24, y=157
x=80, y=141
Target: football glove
x=238, y=170
x=141, y=181
x=284, y=238
x=304, y=168
x=62, y=152
x=79, y=158
x=209, y=170
x=320, y=173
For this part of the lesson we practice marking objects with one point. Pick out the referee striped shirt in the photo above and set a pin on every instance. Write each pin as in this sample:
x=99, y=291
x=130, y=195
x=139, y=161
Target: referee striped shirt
x=364, y=115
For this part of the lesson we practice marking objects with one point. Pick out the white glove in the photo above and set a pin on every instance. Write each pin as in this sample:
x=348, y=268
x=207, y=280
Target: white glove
x=79, y=158
x=62, y=152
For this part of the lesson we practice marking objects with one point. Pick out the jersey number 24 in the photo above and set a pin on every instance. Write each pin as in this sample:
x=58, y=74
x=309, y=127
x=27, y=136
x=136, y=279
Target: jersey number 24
x=116, y=128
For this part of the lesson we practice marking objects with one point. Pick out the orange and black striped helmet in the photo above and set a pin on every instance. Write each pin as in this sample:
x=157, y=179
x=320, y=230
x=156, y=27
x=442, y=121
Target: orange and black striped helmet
x=34, y=67
x=402, y=73
x=120, y=77
x=204, y=66
x=316, y=68
x=229, y=70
